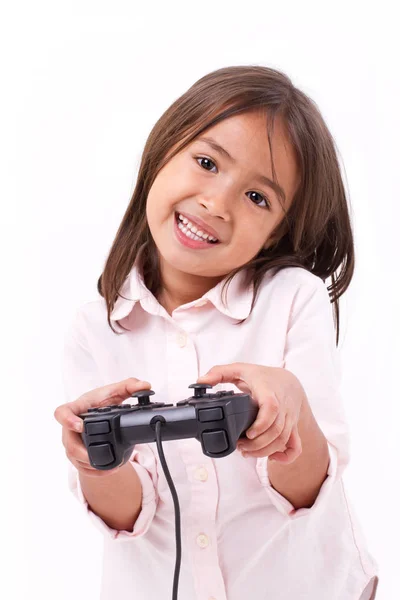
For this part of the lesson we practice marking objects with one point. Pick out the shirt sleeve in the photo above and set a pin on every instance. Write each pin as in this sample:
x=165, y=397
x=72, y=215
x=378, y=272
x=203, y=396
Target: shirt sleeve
x=81, y=374
x=312, y=356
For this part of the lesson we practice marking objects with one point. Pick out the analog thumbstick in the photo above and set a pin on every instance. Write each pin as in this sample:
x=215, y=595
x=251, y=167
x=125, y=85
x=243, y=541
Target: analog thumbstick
x=200, y=389
x=143, y=396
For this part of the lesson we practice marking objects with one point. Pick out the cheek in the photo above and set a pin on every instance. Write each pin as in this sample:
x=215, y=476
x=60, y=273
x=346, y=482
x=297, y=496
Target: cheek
x=150, y=203
x=253, y=228
x=167, y=190
x=154, y=212
x=247, y=247
x=157, y=201
x=250, y=240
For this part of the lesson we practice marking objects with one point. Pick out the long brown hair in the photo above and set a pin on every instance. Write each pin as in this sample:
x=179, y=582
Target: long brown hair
x=315, y=233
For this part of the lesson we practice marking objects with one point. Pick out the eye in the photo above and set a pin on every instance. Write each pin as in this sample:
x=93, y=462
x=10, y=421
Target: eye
x=204, y=158
x=263, y=199
x=267, y=204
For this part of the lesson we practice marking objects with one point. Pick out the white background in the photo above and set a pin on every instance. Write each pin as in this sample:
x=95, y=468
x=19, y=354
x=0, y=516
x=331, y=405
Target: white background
x=82, y=85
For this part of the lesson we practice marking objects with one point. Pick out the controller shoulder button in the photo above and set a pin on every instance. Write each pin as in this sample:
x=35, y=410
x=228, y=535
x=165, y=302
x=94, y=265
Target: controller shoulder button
x=101, y=454
x=97, y=427
x=210, y=414
x=215, y=442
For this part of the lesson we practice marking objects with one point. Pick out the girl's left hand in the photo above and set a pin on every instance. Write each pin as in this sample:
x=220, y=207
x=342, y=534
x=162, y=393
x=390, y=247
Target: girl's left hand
x=280, y=397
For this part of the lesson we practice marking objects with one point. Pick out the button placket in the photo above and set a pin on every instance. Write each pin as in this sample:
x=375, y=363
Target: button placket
x=201, y=474
x=181, y=339
x=200, y=518
x=201, y=527
x=202, y=540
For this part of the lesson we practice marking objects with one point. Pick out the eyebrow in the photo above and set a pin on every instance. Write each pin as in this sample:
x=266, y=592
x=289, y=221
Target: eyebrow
x=262, y=178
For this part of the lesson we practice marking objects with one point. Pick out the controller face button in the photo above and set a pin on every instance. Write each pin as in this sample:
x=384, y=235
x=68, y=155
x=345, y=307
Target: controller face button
x=97, y=427
x=92, y=410
x=215, y=441
x=101, y=454
x=210, y=414
x=124, y=406
x=105, y=409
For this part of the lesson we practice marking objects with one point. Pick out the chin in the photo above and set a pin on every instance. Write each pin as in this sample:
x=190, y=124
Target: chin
x=188, y=265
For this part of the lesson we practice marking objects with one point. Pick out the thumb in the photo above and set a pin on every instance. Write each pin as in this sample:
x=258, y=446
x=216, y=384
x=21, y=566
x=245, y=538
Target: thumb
x=231, y=373
x=222, y=373
x=113, y=393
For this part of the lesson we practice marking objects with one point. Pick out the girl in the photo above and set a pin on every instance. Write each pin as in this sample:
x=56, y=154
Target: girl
x=217, y=275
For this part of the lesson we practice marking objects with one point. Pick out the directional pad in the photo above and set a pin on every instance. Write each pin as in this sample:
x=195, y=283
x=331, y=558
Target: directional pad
x=153, y=405
x=182, y=402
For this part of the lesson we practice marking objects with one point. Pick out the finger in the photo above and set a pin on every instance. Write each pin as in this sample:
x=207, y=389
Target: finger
x=67, y=417
x=268, y=418
x=114, y=393
x=89, y=471
x=278, y=433
x=74, y=446
x=293, y=449
x=235, y=373
x=221, y=374
x=81, y=467
x=279, y=444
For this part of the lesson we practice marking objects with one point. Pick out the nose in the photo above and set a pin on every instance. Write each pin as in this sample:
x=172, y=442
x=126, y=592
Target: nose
x=218, y=204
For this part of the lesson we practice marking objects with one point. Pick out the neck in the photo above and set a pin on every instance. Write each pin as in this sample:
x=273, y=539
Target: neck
x=181, y=288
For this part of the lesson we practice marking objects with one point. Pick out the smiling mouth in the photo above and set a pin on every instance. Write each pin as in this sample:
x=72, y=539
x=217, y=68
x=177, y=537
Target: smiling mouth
x=197, y=238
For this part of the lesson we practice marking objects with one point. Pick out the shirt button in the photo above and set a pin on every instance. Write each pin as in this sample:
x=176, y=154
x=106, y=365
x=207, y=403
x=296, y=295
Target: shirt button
x=202, y=540
x=181, y=339
x=201, y=474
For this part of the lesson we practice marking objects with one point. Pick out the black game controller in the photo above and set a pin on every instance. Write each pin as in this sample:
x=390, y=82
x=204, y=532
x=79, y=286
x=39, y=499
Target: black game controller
x=216, y=420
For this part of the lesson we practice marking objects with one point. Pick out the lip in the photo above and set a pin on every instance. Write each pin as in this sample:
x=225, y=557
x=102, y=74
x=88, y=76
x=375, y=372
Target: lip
x=204, y=227
x=188, y=242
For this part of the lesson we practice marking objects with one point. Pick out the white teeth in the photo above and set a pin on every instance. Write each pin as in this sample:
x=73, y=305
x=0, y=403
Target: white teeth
x=189, y=234
x=191, y=230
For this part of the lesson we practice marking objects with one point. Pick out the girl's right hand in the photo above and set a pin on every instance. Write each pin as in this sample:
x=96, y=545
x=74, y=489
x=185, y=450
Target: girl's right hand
x=72, y=425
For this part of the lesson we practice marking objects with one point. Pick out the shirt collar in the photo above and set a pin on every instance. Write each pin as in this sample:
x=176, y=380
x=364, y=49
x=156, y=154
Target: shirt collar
x=237, y=296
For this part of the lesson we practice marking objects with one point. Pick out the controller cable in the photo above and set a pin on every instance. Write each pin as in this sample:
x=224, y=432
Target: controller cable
x=159, y=421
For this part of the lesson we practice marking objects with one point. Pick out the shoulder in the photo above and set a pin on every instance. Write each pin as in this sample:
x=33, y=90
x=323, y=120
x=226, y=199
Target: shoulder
x=89, y=317
x=297, y=274
x=294, y=291
x=293, y=282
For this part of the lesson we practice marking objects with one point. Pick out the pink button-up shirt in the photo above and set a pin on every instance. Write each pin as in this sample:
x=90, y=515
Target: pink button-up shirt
x=240, y=537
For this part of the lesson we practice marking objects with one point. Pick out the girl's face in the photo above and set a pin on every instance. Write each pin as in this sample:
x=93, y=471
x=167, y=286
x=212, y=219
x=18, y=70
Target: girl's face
x=224, y=196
